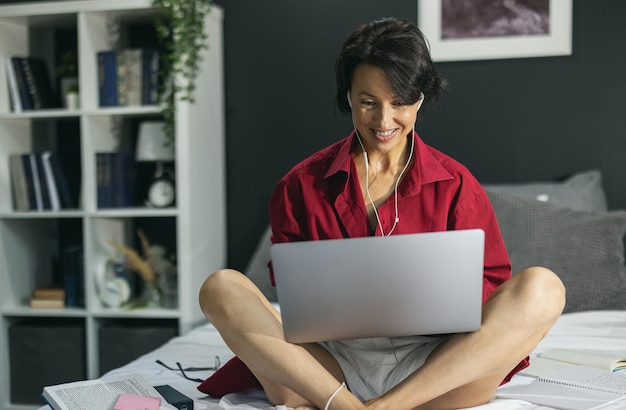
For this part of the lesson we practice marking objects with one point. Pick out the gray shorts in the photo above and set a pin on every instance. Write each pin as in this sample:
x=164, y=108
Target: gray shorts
x=373, y=366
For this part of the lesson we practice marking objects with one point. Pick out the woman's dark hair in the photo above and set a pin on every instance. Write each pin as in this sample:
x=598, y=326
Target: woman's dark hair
x=400, y=49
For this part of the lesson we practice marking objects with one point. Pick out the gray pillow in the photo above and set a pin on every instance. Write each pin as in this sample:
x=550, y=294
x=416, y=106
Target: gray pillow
x=257, y=270
x=582, y=191
x=585, y=249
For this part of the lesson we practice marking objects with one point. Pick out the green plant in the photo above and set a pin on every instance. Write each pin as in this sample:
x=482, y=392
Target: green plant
x=180, y=29
x=68, y=65
x=72, y=89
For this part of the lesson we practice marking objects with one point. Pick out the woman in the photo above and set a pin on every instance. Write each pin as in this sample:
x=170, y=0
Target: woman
x=381, y=180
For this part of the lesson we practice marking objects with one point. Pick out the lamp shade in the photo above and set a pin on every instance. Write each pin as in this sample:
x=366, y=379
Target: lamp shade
x=152, y=143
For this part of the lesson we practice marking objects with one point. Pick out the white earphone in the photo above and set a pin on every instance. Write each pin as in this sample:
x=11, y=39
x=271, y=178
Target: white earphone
x=366, y=161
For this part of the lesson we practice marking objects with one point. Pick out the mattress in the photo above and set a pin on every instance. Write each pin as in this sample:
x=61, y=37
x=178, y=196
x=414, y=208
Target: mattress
x=597, y=330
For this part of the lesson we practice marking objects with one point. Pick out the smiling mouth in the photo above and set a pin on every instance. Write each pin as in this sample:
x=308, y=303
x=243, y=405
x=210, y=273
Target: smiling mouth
x=384, y=134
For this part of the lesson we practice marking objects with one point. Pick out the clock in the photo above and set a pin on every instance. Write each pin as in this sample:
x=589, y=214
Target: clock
x=162, y=191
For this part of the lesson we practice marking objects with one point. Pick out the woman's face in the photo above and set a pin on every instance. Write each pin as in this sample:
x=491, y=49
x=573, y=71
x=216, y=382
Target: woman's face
x=382, y=118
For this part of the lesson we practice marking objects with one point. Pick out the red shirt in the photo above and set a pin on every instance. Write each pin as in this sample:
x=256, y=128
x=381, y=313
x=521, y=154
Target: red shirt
x=320, y=198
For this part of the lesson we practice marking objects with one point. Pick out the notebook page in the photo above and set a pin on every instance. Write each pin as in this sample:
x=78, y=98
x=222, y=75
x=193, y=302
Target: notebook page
x=590, y=378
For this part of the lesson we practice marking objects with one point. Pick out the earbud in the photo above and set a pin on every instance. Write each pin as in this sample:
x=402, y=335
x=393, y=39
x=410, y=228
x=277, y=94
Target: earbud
x=421, y=101
x=349, y=100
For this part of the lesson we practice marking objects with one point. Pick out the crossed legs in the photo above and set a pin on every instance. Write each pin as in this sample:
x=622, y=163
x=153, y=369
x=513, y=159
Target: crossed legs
x=464, y=371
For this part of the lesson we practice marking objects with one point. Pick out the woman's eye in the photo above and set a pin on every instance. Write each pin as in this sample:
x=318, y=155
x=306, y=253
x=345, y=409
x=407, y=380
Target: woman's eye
x=367, y=103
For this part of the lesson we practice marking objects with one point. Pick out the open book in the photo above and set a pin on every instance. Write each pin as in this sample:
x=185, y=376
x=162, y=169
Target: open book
x=600, y=360
x=98, y=394
x=567, y=386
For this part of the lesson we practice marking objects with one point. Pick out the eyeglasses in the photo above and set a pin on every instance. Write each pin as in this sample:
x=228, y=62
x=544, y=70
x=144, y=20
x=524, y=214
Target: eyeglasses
x=218, y=363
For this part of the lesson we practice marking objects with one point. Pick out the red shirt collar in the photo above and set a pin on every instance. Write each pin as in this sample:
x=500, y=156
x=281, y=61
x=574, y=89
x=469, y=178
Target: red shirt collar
x=428, y=168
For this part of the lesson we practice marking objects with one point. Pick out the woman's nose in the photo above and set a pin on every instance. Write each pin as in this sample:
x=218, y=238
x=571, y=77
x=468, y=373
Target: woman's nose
x=384, y=115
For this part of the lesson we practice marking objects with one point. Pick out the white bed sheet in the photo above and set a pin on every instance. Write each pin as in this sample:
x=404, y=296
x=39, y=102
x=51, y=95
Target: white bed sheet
x=595, y=330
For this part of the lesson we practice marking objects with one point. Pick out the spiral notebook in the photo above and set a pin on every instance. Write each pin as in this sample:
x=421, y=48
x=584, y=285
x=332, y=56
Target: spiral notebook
x=569, y=386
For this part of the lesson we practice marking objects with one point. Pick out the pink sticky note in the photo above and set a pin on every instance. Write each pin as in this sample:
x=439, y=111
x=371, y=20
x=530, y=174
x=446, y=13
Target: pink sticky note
x=136, y=402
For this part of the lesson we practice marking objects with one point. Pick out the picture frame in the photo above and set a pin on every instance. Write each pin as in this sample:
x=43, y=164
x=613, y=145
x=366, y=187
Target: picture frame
x=555, y=41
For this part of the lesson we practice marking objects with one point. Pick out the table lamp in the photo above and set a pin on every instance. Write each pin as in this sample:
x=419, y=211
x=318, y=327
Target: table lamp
x=153, y=146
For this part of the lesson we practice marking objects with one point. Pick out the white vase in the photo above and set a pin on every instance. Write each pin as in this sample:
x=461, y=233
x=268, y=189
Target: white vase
x=71, y=101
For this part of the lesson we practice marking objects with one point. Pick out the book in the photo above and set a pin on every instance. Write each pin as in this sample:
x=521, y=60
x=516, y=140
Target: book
x=67, y=193
x=100, y=393
x=38, y=82
x=568, y=386
x=104, y=179
x=50, y=182
x=120, y=67
x=28, y=174
x=34, y=178
x=43, y=183
x=22, y=87
x=14, y=92
x=124, y=175
x=133, y=75
x=39, y=303
x=49, y=293
x=601, y=360
x=150, y=77
x=563, y=397
x=107, y=78
x=47, y=298
x=19, y=183
x=116, y=175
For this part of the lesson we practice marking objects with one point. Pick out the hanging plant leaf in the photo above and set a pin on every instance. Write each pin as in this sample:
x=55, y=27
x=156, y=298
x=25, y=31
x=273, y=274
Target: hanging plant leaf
x=180, y=29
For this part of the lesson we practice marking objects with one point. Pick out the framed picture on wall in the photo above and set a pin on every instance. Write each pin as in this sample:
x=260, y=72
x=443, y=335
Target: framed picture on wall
x=495, y=29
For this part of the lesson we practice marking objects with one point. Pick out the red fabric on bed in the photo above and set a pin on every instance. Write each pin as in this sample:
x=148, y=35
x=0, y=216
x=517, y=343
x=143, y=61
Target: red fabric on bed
x=234, y=376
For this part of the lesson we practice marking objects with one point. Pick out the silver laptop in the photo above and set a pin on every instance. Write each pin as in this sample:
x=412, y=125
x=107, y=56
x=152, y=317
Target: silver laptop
x=412, y=284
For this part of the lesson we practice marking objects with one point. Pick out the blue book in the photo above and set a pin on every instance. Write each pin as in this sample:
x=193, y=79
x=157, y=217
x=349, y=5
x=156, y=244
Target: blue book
x=104, y=179
x=125, y=175
x=150, y=76
x=107, y=78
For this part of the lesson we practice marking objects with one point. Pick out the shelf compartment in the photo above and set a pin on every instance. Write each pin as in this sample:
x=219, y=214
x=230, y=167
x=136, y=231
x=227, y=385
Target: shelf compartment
x=35, y=247
x=107, y=265
x=44, y=352
x=122, y=341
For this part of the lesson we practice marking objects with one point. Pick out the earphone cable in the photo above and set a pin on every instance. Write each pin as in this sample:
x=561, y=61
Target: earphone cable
x=367, y=191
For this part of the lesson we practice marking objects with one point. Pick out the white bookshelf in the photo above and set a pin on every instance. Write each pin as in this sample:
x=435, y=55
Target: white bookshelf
x=197, y=222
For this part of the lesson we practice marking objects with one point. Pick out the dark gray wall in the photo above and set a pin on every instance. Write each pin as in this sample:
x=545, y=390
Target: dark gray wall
x=507, y=120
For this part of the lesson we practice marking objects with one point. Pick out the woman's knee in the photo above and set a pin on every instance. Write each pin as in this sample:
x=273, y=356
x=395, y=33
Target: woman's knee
x=543, y=289
x=217, y=286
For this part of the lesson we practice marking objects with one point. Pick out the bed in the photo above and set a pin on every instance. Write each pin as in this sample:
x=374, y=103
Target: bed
x=563, y=225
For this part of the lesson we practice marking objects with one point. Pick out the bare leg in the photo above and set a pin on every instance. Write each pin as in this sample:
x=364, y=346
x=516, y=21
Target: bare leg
x=467, y=369
x=291, y=374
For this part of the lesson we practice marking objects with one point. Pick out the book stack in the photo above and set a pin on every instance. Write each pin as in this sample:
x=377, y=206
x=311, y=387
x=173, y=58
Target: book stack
x=116, y=174
x=47, y=298
x=30, y=87
x=128, y=77
x=40, y=182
